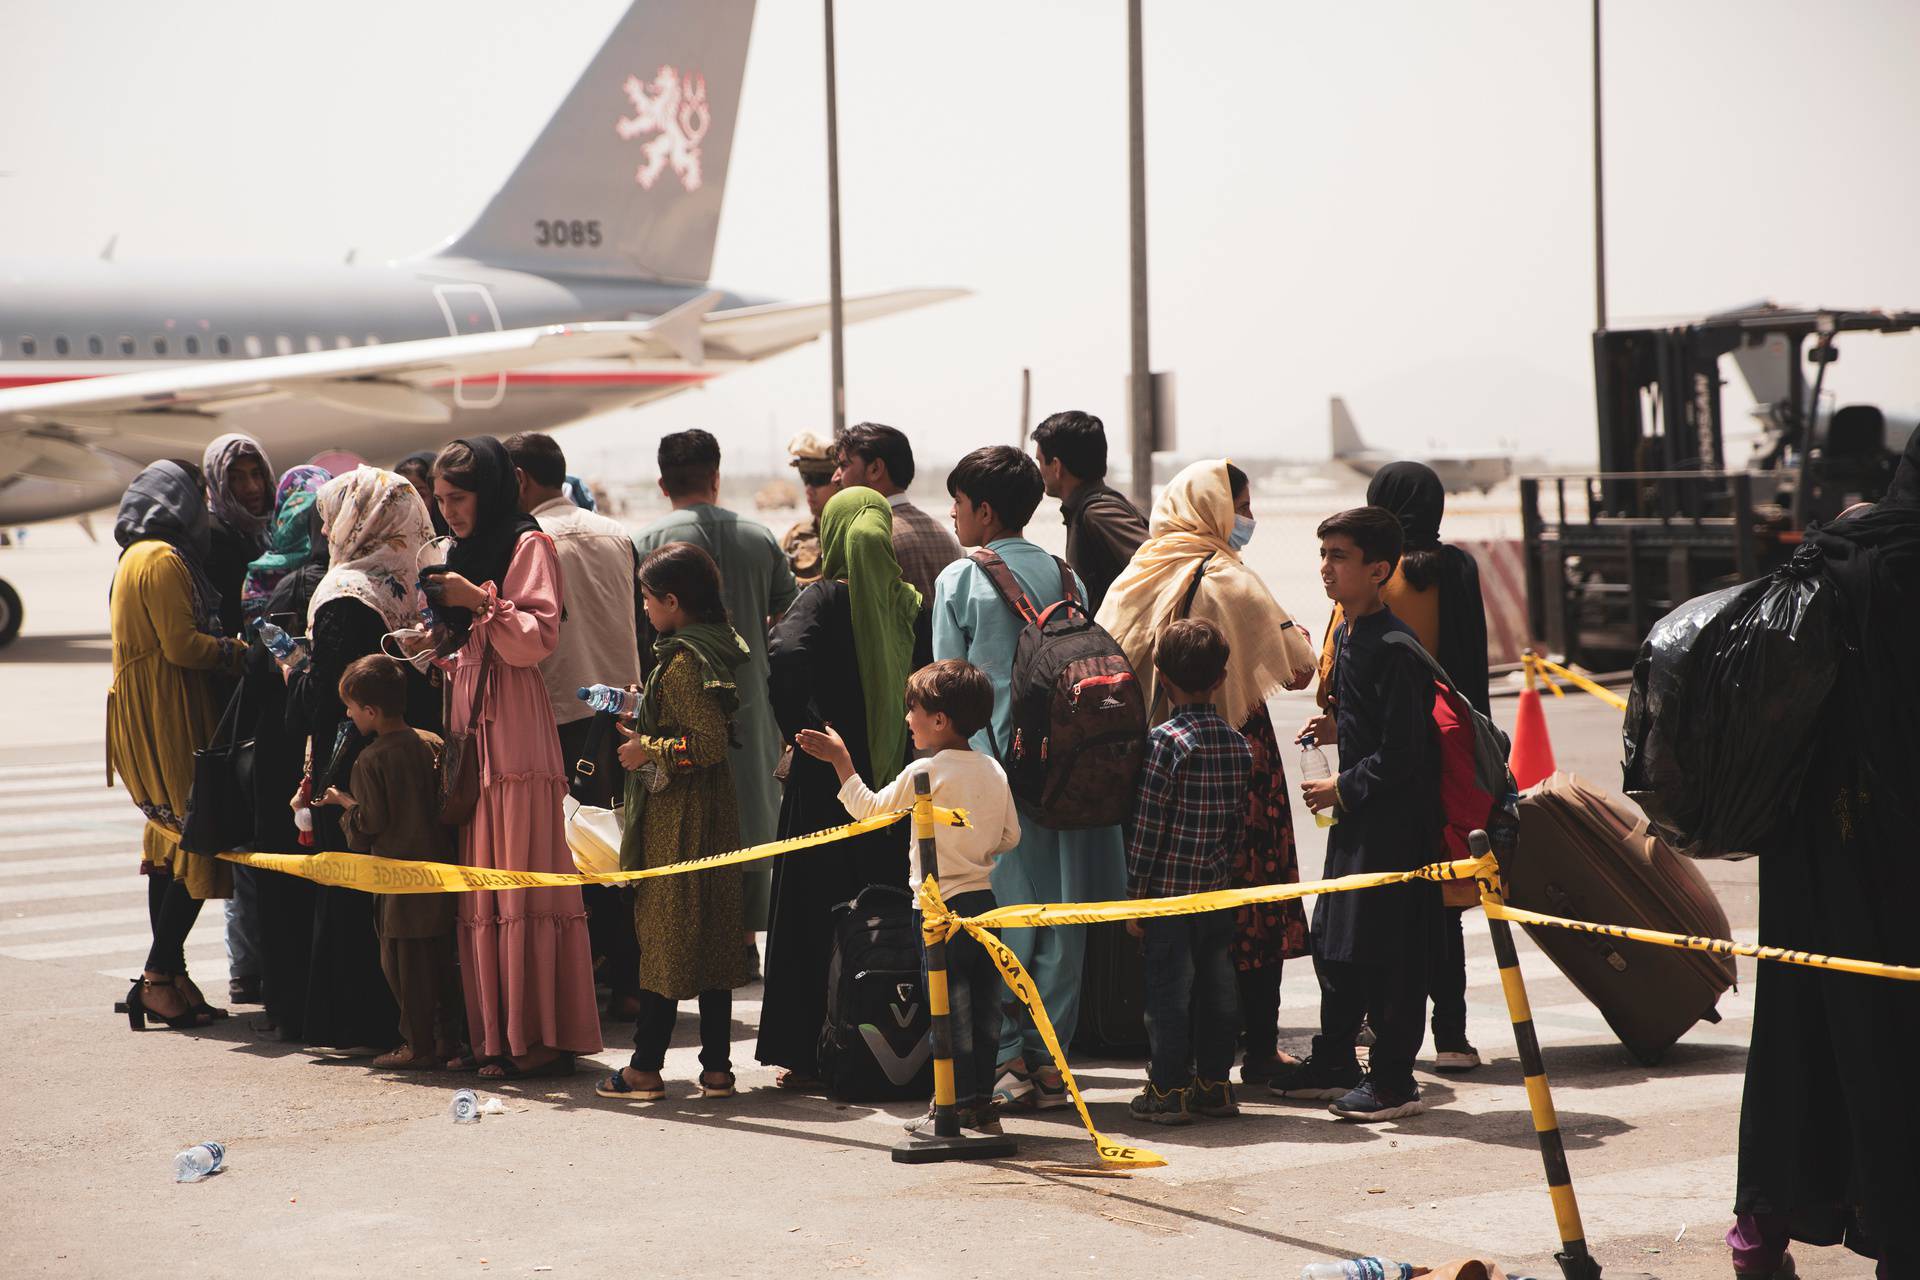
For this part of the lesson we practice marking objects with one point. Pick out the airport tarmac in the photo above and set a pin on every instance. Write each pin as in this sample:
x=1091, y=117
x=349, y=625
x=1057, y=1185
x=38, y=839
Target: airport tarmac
x=337, y=1170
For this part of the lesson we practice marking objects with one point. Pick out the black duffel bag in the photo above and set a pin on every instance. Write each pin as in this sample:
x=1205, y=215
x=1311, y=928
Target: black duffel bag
x=1726, y=692
x=220, y=808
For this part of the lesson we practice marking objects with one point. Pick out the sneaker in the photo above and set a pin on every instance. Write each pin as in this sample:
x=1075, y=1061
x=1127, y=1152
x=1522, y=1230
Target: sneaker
x=1369, y=1104
x=1314, y=1079
x=1459, y=1057
x=972, y=1120
x=1161, y=1106
x=1049, y=1097
x=1258, y=1071
x=1213, y=1098
x=1784, y=1271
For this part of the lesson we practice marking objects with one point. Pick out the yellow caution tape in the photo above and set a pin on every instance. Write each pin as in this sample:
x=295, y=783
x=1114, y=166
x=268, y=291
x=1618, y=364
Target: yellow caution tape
x=938, y=924
x=371, y=873
x=1539, y=666
x=1713, y=946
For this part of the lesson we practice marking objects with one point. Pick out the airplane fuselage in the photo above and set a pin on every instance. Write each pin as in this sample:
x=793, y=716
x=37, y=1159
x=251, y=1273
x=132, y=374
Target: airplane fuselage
x=1457, y=475
x=65, y=320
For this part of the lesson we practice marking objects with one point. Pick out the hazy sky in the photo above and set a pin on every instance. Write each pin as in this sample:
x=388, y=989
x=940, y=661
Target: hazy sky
x=1389, y=201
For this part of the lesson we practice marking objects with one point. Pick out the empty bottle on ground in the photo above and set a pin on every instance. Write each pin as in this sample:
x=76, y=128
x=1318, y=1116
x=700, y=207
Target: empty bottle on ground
x=201, y=1160
x=1358, y=1269
x=465, y=1108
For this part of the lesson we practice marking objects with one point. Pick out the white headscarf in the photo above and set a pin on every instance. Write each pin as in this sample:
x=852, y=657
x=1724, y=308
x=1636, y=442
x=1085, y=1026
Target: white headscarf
x=376, y=525
x=1191, y=522
x=217, y=462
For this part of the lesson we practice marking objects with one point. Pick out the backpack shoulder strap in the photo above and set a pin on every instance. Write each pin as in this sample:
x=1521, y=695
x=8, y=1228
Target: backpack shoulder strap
x=1418, y=650
x=1193, y=588
x=1067, y=590
x=1009, y=586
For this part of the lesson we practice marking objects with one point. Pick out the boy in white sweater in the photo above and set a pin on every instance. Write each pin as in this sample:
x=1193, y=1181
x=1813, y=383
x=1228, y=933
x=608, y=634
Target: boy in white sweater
x=947, y=703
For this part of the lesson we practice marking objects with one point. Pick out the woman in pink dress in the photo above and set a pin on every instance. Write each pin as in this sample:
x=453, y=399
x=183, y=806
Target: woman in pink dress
x=524, y=958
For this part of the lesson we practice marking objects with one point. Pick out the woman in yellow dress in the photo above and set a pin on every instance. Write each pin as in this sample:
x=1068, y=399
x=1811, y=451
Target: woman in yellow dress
x=162, y=706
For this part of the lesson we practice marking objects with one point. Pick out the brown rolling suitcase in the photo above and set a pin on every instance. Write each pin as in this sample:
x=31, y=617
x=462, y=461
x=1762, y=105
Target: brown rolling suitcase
x=1587, y=855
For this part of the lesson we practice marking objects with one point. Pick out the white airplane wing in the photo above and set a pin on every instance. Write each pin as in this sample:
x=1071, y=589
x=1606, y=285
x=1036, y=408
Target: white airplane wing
x=392, y=380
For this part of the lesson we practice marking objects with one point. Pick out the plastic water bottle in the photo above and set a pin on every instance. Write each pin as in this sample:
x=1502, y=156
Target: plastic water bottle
x=282, y=646
x=1358, y=1269
x=1314, y=768
x=604, y=697
x=465, y=1108
x=202, y=1160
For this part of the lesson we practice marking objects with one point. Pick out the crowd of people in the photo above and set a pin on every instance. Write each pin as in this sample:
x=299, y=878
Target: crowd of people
x=450, y=611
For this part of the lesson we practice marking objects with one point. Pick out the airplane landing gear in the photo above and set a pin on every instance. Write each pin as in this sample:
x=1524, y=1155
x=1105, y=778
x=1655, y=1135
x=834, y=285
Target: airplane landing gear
x=12, y=614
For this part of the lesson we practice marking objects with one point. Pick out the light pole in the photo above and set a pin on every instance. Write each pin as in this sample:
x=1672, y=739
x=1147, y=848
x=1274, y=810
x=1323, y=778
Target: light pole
x=1140, y=380
x=1599, y=191
x=833, y=241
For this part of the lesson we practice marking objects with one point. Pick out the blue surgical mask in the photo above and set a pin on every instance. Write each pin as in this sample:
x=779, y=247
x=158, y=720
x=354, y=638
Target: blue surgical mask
x=1242, y=532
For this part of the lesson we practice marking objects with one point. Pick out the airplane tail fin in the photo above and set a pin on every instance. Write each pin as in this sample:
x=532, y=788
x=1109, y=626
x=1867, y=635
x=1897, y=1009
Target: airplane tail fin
x=1344, y=436
x=627, y=177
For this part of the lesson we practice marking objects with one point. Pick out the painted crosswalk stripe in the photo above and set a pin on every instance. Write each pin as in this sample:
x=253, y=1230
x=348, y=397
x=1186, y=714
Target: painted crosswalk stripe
x=129, y=837
x=55, y=866
x=112, y=917
x=126, y=885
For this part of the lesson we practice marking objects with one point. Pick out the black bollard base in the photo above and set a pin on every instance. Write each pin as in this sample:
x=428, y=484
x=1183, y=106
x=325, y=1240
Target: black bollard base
x=932, y=1150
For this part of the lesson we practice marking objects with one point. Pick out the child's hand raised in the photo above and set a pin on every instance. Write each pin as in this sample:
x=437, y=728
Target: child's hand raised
x=826, y=744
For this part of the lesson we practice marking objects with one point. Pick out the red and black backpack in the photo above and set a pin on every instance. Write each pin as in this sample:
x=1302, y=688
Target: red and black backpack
x=1079, y=715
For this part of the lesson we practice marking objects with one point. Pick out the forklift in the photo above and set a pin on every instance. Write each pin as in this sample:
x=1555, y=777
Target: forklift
x=1668, y=516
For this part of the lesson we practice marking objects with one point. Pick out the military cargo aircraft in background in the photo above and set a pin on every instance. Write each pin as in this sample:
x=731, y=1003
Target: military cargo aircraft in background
x=1459, y=472
x=580, y=288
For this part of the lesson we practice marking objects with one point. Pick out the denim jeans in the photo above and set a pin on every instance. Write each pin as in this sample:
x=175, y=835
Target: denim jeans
x=1193, y=1000
x=973, y=1004
x=243, y=925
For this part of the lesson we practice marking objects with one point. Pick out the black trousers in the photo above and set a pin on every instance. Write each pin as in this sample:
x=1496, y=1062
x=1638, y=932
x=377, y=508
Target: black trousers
x=171, y=910
x=1449, y=981
x=1392, y=998
x=1260, y=1011
x=653, y=1030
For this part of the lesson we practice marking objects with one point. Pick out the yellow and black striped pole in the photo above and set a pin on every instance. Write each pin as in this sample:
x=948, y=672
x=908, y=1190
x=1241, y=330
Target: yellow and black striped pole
x=946, y=1142
x=1575, y=1262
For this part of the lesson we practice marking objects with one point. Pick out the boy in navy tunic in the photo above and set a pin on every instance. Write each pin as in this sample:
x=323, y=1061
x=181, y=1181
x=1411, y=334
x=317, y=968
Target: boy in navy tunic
x=1370, y=948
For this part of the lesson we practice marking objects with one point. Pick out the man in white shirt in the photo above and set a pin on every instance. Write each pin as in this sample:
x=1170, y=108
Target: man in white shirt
x=599, y=644
x=947, y=703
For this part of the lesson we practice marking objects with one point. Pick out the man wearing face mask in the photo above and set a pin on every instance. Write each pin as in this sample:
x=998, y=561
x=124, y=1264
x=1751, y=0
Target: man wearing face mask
x=1103, y=528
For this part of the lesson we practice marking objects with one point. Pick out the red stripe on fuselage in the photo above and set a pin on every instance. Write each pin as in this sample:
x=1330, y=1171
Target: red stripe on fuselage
x=611, y=378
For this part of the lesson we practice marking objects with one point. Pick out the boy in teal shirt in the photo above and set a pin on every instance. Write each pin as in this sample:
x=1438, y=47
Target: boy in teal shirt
x=995, y=491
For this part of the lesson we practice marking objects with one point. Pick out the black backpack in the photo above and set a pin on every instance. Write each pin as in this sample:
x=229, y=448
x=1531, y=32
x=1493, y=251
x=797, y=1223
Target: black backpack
x=876, y=1044
x=1079, y=713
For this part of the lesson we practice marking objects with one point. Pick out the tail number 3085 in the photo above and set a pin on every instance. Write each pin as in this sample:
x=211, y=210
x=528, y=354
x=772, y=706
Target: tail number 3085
x=568, y=232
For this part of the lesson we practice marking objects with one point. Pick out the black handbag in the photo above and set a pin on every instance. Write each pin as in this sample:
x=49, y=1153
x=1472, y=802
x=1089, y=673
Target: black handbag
x=220, y=808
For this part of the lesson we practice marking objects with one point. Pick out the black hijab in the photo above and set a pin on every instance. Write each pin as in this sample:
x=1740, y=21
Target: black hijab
x=165, y=502
x=483, y=555
x=1417, y=499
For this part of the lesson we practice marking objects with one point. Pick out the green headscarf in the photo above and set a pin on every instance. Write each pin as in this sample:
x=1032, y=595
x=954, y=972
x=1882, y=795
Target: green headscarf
x=856, y=546
x=717, y=647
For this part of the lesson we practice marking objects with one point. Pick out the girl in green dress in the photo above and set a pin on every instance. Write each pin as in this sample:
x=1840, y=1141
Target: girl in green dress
x=680, y=806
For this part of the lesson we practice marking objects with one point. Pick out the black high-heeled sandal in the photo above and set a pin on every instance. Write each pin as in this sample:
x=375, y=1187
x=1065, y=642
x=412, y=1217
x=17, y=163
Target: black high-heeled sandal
x=198, y=999
x=138, y=1013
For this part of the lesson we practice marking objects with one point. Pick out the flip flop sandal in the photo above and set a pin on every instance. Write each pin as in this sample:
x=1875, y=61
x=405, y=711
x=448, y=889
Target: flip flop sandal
x=715, y=1091
x=795, y=1082
x=556, y=1068
x=615, y=1086
x=392, y=1062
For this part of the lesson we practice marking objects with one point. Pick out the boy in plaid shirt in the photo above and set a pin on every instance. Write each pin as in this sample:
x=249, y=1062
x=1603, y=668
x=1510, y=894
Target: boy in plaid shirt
x=1181, y=836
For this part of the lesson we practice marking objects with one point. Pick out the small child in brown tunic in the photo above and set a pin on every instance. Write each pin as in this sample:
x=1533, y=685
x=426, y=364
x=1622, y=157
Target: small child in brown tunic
x=393, y=811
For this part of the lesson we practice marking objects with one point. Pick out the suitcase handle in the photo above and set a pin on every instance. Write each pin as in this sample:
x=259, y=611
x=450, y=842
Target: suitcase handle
x=1564, y=905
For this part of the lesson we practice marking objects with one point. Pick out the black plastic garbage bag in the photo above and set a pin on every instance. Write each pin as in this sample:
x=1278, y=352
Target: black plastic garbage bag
x=1725, y=694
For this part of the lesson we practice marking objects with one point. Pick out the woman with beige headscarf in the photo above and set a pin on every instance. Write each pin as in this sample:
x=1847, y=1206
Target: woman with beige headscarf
x=1190, y=567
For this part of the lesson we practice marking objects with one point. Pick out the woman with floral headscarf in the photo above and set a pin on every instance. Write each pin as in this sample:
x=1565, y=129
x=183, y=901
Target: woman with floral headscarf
x=375, y=527
x=270, y=916
x=161, y=707
x=240, y=496
x=841, y=656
